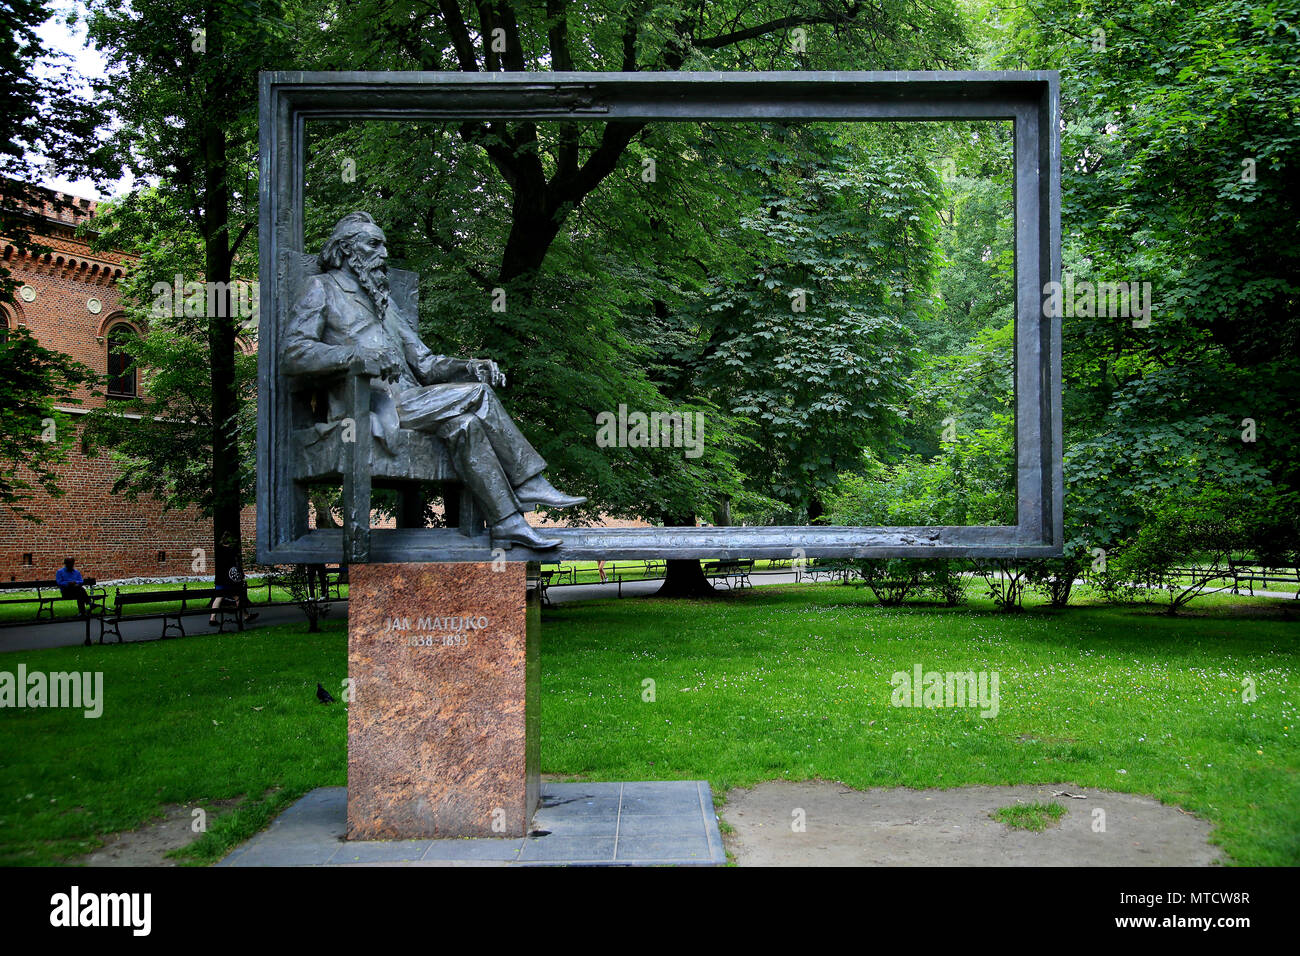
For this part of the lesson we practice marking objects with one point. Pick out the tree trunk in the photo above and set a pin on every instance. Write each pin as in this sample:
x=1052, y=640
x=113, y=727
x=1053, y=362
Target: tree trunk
x=532, y=232
x=722, y=513
x=226, y=498
x=684, y=578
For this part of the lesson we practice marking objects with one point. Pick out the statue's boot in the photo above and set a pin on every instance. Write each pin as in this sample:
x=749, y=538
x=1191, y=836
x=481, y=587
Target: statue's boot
x=513, y=529
x=538, y=491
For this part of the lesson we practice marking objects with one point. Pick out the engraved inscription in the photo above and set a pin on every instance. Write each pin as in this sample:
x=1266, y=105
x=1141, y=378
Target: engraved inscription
x=436, y=631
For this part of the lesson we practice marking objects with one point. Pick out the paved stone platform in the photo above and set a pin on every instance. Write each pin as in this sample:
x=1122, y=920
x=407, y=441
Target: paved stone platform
x=588, y=824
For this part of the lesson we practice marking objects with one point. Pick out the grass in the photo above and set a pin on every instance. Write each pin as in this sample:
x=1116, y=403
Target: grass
x=1029, y=816
x=188, y=722
x=779, y=682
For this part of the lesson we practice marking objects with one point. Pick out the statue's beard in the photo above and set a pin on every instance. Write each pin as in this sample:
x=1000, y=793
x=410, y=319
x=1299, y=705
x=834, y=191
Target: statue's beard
x=373, y=276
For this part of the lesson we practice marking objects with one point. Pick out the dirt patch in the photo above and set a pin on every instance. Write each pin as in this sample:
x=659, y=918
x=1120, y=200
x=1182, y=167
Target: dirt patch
x=150, y=844
x=901, y=827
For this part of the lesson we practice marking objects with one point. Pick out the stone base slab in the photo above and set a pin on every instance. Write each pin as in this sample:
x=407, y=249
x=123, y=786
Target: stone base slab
x=656, y=823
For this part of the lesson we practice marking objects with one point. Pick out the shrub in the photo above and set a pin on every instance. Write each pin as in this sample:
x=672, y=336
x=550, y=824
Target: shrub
x=1006, y=581
x=943, y=578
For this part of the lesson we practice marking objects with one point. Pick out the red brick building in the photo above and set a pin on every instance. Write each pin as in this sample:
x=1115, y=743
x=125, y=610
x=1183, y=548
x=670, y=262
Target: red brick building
x=68, y=299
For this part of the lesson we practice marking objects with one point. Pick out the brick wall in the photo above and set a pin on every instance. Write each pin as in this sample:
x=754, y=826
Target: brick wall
x=67, y=297
x=109, y=535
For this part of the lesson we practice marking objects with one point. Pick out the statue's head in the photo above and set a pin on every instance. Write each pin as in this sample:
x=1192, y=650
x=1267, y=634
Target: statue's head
x=357, y=245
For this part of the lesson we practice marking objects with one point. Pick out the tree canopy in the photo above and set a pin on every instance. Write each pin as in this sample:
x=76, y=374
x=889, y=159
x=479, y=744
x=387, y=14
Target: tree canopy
x=835, y=300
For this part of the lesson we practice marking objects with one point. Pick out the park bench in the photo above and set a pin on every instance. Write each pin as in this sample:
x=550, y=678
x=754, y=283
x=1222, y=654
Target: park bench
x=205, y=597
x=1248, y=577
x=544, y=579
x=47, y=594
x=732, y=574
x=818, y=570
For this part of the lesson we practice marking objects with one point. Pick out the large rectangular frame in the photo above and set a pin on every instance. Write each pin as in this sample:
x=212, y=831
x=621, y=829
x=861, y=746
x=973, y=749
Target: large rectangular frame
x=1029, y=99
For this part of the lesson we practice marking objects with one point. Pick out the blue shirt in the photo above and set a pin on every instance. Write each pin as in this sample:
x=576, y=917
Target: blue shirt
x=66, y=579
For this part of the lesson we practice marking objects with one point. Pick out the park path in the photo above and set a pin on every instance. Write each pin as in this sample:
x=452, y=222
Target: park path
x=72, y=631
x=821, y=823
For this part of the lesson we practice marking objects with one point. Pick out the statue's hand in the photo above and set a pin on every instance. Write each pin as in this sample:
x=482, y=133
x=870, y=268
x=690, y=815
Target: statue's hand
x=378, y=364
x=486, y=370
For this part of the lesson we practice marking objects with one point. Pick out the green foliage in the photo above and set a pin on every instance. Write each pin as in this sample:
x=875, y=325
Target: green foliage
x=1159, y=437
x=161, y=440
x=184, y=92
x=809, y=347
x=1055, y=578
x=968, y=482
x=1162, y=110
x=1189, y=544
x=49, y=128
x=893, y=580
x=674, y=294
x=295, y=581
x=944, y=578
x=661, y=294
x=1005, y=582
x=34, y=435
x=1179, y=155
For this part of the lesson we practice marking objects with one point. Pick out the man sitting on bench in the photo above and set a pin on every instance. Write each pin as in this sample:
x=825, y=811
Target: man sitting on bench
x=72, y=585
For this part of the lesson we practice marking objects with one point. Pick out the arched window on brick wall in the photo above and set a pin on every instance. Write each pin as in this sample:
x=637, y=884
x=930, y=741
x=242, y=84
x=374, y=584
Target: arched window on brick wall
x=4, y=327
x=121, y=376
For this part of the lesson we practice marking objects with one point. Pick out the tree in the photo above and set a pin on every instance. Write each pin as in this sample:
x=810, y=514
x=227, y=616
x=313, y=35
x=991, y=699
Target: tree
x=570, y=337
x=545, y=187
x=184, y=91
x=1179, y=160
x=807, y=343
x=163, y=438
x=548, y=180
x=49, y=128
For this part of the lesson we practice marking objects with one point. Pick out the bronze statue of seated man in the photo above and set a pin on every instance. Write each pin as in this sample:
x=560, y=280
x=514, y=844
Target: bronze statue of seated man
x=343, y=314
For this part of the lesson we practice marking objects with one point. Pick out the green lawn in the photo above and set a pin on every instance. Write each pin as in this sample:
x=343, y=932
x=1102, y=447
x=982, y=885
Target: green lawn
x=782, y=682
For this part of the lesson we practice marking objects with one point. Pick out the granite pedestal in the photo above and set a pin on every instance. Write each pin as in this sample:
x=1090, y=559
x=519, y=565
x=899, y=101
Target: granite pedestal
x=443, y=728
